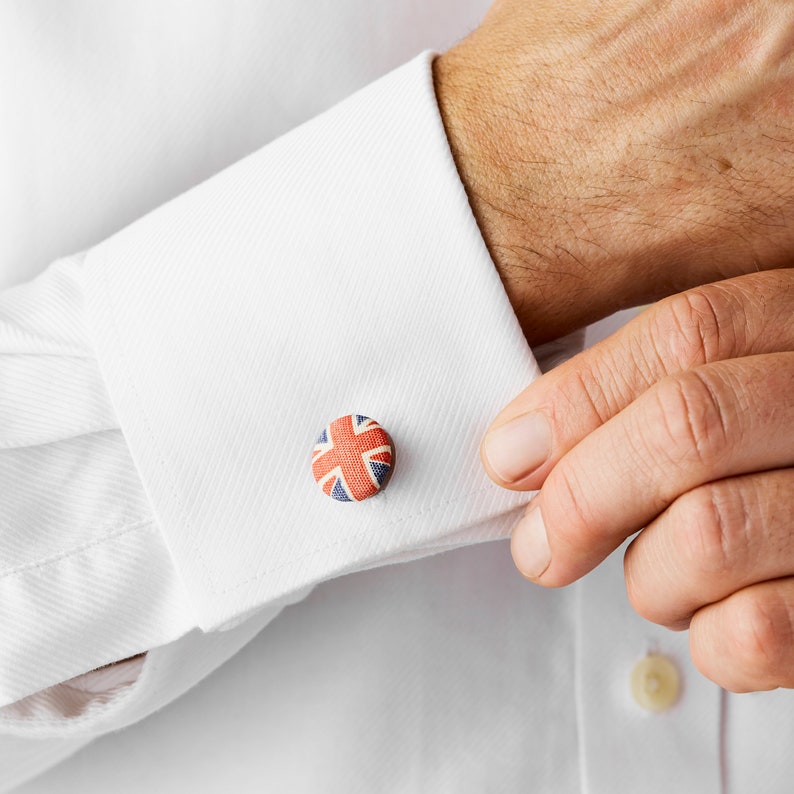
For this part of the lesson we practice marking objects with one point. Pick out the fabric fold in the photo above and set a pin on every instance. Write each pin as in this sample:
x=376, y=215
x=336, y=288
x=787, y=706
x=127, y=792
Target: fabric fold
x=355, y=224
x=84, y=579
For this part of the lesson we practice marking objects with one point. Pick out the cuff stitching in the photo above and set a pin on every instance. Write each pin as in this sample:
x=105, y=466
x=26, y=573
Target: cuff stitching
x=146, y=523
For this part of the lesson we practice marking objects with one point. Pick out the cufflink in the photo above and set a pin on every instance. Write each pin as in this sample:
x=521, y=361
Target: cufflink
x=352, y=458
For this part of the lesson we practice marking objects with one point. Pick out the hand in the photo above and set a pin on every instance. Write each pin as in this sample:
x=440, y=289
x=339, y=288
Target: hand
x=683, y=423
x=616, y=151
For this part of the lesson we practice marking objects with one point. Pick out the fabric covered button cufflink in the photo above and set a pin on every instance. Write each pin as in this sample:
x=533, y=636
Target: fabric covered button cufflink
x=352, y=458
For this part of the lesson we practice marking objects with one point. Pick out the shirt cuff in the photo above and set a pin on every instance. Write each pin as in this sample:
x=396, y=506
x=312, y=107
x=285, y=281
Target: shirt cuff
x=85, y=578
x=338, y=270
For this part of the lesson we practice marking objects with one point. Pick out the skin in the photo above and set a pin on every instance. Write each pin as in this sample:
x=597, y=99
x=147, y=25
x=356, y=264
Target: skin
x=616, y=152
x=623, y=150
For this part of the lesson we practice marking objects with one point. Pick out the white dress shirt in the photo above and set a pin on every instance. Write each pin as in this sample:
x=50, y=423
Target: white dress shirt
x=163, y=391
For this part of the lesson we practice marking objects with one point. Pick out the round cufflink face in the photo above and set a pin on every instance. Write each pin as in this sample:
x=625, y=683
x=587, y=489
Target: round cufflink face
x=352, y=458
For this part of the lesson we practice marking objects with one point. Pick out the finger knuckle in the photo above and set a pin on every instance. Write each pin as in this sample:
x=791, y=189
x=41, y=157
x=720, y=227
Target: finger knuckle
x=590, y=391
x=692, y=421
x=712, y=529
x=642, y=597
x=763, y=639
x=702, y=656
x=700, y=325
x=725, y=676
x=570, y=514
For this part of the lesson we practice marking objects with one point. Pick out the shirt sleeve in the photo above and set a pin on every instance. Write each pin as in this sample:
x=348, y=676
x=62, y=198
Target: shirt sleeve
x=77, y=535
x=337, y=270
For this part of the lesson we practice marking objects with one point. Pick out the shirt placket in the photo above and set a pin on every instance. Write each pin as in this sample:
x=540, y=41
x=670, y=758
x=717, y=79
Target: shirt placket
x=648, y=720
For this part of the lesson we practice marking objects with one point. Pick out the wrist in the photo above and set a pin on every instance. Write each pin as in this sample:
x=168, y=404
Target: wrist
x=479, y=147
x=530, y=212
x=611, y=160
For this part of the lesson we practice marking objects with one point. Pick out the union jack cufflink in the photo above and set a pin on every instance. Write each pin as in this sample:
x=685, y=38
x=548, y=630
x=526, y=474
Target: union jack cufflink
x=352, y=458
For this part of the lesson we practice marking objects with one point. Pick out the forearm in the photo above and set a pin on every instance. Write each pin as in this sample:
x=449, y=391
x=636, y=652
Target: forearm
x=603, y=170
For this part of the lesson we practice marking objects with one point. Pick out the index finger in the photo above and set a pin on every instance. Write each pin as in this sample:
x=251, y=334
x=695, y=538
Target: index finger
x=743, y=316
x=687, y=430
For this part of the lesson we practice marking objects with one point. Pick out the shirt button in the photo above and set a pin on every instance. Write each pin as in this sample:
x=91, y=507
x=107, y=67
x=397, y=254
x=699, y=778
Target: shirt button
x=655, y=683
x=352, y=458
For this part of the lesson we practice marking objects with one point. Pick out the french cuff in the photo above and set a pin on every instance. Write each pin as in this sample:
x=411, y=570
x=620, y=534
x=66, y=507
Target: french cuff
x=84, y=577
x=338, y=270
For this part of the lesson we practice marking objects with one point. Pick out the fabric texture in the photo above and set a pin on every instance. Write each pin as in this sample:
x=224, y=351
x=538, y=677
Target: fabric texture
x=352, y=458
x=231, y=491
x=447, y=674
x=175, y=304
x=81, y=553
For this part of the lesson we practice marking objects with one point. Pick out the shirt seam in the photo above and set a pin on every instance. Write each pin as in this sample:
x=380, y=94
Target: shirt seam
x=86, y=430
x=125, y=373
x=351, y=538
x=47, y=561
x=172, y=485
